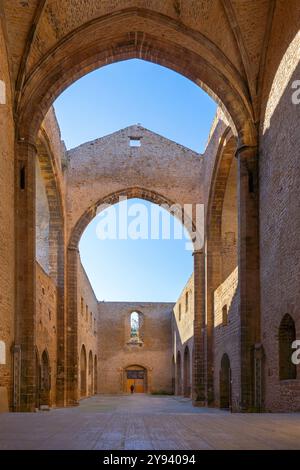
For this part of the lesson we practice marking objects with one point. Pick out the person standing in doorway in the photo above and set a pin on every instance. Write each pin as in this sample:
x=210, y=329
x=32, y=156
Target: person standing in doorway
x=132, y=388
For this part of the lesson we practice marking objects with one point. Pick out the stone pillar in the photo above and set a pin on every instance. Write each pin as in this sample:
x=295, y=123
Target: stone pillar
x=248, y=264
x=72, y=359
x=199, y=385
x=25, y=273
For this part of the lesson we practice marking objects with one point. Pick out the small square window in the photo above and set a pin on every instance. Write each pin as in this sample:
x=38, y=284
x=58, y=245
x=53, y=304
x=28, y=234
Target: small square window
x=134, y=142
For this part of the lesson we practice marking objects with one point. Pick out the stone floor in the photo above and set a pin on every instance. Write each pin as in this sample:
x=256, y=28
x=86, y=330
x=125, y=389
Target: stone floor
x=147, y=422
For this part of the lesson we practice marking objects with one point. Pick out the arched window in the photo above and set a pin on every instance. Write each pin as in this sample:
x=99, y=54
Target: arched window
x=287, y=334
x=179, y=312
x=134, y=325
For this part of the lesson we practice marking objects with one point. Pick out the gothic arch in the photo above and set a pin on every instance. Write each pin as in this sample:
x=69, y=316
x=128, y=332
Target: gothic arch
x=225, y=383
x=72, y=260
x=134, y=33
x=187, y=372
x=95, y=375
x=90, y=374
x=45, y=384
x=178, y=374
x=286, y=336
x=83, y=372
x=224, y=159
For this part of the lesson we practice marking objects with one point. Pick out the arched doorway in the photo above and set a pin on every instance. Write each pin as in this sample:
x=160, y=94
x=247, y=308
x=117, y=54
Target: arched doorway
x=83, y=372
x=45, y=380
x=90, y=376
x=135, y=376
x=95, y=376
x=225, y=383
x=187, y=373
x=178, y=375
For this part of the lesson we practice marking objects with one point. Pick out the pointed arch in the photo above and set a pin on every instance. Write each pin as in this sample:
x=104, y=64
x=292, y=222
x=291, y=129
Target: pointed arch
x=286, y=335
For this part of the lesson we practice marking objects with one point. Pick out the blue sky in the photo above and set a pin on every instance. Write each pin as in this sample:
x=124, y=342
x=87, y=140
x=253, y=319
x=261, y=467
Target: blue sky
x=109, y=99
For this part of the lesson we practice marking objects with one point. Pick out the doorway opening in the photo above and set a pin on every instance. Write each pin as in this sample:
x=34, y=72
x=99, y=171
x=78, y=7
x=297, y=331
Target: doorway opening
x=136, y=376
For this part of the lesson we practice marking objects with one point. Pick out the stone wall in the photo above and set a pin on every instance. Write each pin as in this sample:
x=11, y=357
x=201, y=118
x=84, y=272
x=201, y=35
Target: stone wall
x=88, y=325
x=183, y=339
x=117, y=352
x=109, y=164
x=42, y=217
x=280, y=201
x=227, y=336
x=46, y=324
x=7, y=247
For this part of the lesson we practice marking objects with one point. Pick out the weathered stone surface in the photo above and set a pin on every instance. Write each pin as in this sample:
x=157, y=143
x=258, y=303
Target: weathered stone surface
x=246, y=54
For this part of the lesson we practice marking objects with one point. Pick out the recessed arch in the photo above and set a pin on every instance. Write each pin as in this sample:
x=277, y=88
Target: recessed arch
x=83, y=372
x=95, y=375
x=54, y=193
x=113, y=198
x=54, y=196
x=186, y=372
x=135, y=33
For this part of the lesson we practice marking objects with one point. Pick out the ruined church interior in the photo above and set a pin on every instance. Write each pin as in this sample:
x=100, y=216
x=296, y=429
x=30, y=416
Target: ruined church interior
x=225, y=350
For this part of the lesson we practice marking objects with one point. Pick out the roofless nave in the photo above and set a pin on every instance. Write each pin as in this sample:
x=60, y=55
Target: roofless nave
x=244, y=295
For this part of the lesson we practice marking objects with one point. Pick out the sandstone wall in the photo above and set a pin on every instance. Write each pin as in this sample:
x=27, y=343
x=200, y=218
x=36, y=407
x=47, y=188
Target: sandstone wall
x=46, y=324
x=110, y=164
x=116, y=353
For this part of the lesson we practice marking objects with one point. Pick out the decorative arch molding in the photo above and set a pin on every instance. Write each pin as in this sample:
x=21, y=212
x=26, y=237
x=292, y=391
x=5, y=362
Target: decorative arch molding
x=224, y=158
x=114, y=198
x=57, y=257
x=135, y=33
x=55, y=204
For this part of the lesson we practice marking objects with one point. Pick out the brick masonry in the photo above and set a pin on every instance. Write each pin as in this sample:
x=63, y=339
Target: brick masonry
x=117, y=352
x=249, y=66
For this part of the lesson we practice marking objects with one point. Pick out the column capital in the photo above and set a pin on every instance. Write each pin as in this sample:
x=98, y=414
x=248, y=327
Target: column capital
x=246, y=152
